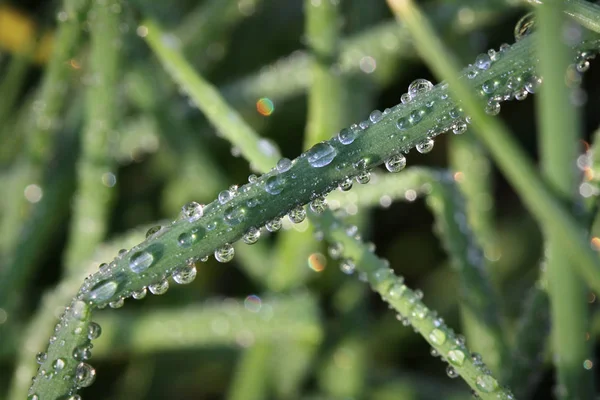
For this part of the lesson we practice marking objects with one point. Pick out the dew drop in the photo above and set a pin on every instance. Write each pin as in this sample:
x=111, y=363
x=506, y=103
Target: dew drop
x=153, y=230
x=437, y=336
x=532, y=83
x=396, y=163
x=525, y=26
x=483, y=62
x=318, y=205
x=159, y=288
x=425, y=147
x=297, y=215
x=486, y=383
x=284, y=165
x=192, y=211
x=225, y=196
x=185, y=275
x=321, y=155
x=274, y=184
x=405, y=98
x=335, y=250
x=117, y=303
x=41, y=357
x=139, y=294
x=418, y=87
x=395, y=292
x=459, y=128
x=419, y=311
x=33, y=397
x=103, y=290
x=234, y=216
x=456, y=357
x=492, y=108
x=364, y=177
x=347, y=266
x=140, y=261
x=346, y=184
x=94, y=331
x=58, y=364
x=347, y=136
x=416, y=116
x=402, y=124
x=85, y=375
x=187, y=239
x=225, y=253
x=82, y=353
x=375, y=116
x=451, y=372
x=251, y=236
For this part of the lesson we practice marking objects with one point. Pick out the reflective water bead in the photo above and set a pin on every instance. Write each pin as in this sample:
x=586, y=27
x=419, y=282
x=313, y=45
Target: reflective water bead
x=347, y=136
x=402, y=124
x=363, y=177
x=274, y=184
x=490, y=86
x=405, y=98
x=476, y=358
x=456, y=357
x=521, y=94
x=419, y=311
x=434, y=352
x=187, y=239
x=346, y=184
x=318, y=205
x=533, y=83
x=225, y=196
x=85, y=375
x=363, y=125
x=117, y=303
x=396, y=291
x=582, y=66
x=416, y=116
x=103, y=290
x=159, y=288
x=395, y=163
x=483, y=62
x=451, y=372
x=140, y=261
x=153, y=230
x=418, y=87
x=274, y=225
x=94, y=331
x=234, y=216
x=297, y=215
x=437, y=336
x=492, y=108
x=425, y=147
x=284, y=165
x=58, y=364
x=192, y=211
x=252, y=178
x=375, y=116
x=321, y=155
x=225, y=253
x=185, y=275
x=347, y=266
x=381, y=274
x=459, y=128
x=486, y=383
x=525, y=26
x=41, y=357
x=82, y=353
x=33, y=397
x=335, y=250
x=139, y=294
x=251, y=236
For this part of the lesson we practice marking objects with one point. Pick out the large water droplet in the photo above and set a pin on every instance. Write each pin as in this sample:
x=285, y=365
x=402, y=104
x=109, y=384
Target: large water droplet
x=525, y=26
x=483, y=61
x=437, y=336
x=192, y=211
x=225, y=253
x=274, y=225
x=235, y=215
x=103, y=290
x=251, y=236
x=274, y=184
x=456, y=357
x=284, y=165
x=486, y=383
x=425, y=147
x=94, y=331
x=187, y=239
x=396, y=163
x=321, y=155
x=375, y=116
x=418, y=87
x=225, y=196
x=318, y=205
x=297, y=215
x=85, y=375
x=58, y=364
x=185, y=275
x=159, y=287
x=347, y=136
x=140, y=261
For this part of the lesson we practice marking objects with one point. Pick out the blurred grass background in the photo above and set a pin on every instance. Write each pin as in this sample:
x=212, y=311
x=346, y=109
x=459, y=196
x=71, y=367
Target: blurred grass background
x=168, y=155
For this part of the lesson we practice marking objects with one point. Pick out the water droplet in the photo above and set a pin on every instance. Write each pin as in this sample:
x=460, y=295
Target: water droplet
x=437, y=336
x=525, y=26
x=274, y=184
x=94, y=331
x=416, y=116
x=58, y=364
x=103, y=290
x=395, y=292
x=321, y=155
x=297, y=215
x=483, y=61
x=363, y=125
x=159, y=287
x=459, y=128
x=347, y=266
x=490, y=86
x=347, y=136
x=41, y=357
x=85, y=375
x=419, y=311
x=139, y=294
x=335, y=250
x=187, y=239
x=185, y=275
x=251, y=236
x=225, y=196
x=486, y=383
x=418, y=87
x=492, y=108
x=235, y=215
x=153, y=230
x=346, y=184
x=375, y=116
x=425, y=147
x=225, y=253
x=140, y=261
x=582, y=66
x=396, y=163
x=117, y=303
x=521, y=94
x=284, y=165
x=363, y=177
x=33, y=397
x=402, y=124
x=318, y=205
x=192, y=211
x=405, y=98
x=82, y=353
x=381, y=274
x=451, y=372
x=532, y=83
x=456, y=357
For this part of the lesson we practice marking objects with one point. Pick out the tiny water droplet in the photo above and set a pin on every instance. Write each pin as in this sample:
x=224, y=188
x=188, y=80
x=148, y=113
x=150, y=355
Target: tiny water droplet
x=402, y=124
x=58, y=364
x=94, y=331
x=321, y=155
x=85, y=375
x=153, y=230
x=437, y=336
x=396, y=163
x=451, y=372
x=459, y=128
x=483, y=62
x=225, y=253
x=235, y=215
x=225, y=196
x=274, y=184
x=363, y=177
x=456, y=357
x=82, y=353
x=41, y=357
x=140, y=261
x=486, y=383
x=335, y=250
x=117, y=303
x=375, y=116
x=395, y=292
x=103, y=290
x=346, y=184
x=347, y=266
x=139, y=294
